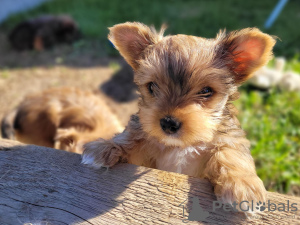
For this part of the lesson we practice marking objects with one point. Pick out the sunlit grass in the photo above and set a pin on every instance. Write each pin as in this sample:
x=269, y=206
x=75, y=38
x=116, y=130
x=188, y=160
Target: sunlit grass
x=272, y=123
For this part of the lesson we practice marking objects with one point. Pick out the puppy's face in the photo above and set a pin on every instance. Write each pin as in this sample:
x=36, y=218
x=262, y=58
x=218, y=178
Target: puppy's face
x=186, y=81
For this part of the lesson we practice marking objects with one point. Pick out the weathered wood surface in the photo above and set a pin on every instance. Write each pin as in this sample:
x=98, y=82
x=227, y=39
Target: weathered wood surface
x=45, y=186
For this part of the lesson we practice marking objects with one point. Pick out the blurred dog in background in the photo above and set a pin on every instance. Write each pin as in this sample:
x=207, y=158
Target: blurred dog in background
x=44, y=32
x=64, y=118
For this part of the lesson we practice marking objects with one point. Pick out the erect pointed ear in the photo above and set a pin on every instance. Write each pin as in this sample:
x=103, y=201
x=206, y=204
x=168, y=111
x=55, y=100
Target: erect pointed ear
x=245, y=51
x=131, y=39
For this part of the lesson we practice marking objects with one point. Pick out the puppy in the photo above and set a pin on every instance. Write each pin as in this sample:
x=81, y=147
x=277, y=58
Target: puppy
x=186, y=121
x=64, y=118
x=44, y=32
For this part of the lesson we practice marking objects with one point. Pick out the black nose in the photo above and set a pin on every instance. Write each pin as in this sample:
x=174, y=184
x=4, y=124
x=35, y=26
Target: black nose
x=170, y=125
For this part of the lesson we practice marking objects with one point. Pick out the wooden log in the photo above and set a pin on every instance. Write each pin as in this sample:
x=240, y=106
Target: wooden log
x=45, y=186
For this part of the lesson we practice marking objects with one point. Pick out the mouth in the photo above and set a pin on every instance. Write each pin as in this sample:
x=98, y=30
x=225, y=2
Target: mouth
x=172, y=141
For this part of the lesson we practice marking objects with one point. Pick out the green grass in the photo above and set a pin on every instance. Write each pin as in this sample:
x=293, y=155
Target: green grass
x=272, y=123
x=203, y=18
x=271, y=119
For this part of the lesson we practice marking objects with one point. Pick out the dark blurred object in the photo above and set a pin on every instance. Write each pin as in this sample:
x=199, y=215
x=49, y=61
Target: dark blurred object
x=7, y=130
x=121, y=87
x=44, y=32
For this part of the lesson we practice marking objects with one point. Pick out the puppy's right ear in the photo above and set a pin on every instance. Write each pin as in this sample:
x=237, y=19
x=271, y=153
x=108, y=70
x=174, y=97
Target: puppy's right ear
x=131, y=39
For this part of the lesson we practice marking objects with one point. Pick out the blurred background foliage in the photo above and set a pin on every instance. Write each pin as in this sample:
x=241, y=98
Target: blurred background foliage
x=270, y=118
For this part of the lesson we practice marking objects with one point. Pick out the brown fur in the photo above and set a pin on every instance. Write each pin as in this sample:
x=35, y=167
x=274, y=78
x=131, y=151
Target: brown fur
x=210, y=142
x=64, y=118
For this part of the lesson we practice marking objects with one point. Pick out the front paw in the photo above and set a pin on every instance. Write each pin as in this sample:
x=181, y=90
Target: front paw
x=102, y=153
x=240, y=192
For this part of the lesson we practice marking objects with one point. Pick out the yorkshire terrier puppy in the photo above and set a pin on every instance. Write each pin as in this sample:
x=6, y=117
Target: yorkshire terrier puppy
x=186, y=121
x=64, y=118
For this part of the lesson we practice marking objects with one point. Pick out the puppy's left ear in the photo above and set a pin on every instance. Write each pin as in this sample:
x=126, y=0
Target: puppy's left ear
x=245, y=51
x=131, y=39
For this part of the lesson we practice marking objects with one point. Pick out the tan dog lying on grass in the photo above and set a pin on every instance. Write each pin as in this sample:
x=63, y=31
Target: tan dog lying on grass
x=186, y=121
x=64, y=118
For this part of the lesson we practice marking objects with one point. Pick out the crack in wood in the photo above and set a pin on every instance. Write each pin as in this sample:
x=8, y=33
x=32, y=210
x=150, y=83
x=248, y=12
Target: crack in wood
x=51, y=207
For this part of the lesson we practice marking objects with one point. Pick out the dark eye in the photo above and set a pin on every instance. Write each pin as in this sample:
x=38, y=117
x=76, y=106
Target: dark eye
x=151, y=86
x=206, y=92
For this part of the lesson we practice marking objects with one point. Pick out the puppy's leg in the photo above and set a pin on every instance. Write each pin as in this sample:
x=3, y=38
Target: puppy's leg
x=66, y=139
x=106, y=153
x=102, y=153
x=233, y=174
x=7, y=125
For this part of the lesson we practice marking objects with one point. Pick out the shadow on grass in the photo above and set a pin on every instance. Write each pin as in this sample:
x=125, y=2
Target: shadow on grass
x=121, y=87
x=81, y=54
